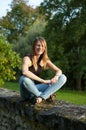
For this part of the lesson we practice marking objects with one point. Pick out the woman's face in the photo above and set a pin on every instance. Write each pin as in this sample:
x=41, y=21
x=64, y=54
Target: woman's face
x=39, y=48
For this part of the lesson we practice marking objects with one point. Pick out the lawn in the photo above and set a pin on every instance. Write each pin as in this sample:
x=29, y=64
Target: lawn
x=11, y=86
x=71, y=96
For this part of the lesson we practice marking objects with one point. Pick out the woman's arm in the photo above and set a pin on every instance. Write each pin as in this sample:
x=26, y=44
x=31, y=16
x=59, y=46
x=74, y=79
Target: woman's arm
x=58, y=72
x=25, y=71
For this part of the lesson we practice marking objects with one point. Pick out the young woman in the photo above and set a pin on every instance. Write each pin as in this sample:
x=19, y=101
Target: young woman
x=31, y=84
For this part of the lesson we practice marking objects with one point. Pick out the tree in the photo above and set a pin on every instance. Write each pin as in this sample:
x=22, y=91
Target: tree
x=9, y=61
x=75, y=43
x=65, y=32
x=53, y=33
x=17, y=22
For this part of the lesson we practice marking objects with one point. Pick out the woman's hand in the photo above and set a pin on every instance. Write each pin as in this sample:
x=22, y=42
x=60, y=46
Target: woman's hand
x=54, y=79
x=46, y=81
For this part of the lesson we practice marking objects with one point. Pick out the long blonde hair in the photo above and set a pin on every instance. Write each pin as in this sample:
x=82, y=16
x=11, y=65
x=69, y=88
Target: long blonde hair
x=44, y=57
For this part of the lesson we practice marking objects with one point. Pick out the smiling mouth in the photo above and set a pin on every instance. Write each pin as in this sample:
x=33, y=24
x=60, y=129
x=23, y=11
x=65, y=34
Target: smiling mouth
x=39, y=50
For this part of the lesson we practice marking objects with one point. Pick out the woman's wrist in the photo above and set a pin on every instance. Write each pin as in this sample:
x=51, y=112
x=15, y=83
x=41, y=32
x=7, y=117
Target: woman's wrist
x=57, y=75
x=46, y=81
x=42, y=81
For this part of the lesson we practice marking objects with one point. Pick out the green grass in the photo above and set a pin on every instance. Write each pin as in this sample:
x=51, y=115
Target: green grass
x=11, y=86
x=74, y=97
x=71, y=96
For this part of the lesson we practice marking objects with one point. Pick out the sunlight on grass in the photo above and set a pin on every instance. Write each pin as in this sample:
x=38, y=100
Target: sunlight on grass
x=74, y=97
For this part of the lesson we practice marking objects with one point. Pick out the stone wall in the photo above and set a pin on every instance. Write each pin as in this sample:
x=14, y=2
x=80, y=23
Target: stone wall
x=58, y=115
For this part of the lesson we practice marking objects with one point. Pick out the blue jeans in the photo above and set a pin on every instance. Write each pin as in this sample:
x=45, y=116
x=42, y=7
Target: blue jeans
x=29, y=88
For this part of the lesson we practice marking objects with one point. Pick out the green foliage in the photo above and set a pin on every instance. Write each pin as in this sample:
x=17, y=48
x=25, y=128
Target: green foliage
x=65, y=34
x=17, y=22
x=9, y=61
x=76, y=43
x=22, y=47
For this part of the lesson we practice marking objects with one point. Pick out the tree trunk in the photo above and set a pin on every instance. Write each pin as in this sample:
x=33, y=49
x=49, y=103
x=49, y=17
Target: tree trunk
x=78, y=84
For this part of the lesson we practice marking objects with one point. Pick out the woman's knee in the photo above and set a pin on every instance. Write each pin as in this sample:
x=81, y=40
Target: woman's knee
x=63, y=78
x=26, y=80
x=23, y=80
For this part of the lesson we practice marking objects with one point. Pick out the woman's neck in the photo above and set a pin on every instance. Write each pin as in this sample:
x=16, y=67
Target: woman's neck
x=37, y=57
